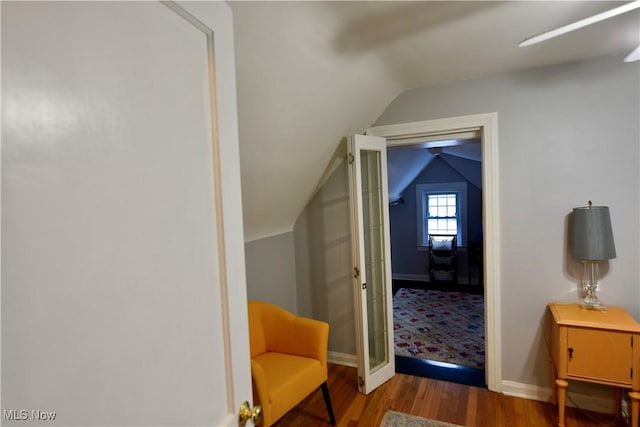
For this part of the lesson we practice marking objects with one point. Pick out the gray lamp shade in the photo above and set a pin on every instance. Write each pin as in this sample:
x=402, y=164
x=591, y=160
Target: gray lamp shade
x=592, y=235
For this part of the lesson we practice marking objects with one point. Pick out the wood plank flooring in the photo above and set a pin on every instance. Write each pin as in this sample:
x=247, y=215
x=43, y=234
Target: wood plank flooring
x=440, y=400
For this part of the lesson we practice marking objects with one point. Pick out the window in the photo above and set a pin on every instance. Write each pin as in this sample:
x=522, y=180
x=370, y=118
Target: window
x=442, y=213
x=441, y=209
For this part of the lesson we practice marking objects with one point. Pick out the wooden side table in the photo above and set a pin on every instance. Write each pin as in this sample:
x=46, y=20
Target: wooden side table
x=600, y=347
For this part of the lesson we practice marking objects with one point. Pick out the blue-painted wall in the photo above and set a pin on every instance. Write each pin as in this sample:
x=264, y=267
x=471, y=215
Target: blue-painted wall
x=406, y=259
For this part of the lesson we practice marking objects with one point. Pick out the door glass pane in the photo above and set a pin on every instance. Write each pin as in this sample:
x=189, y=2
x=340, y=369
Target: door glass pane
x=374, y=258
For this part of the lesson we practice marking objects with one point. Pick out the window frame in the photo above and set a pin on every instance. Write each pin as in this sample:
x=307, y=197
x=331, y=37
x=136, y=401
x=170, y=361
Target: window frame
x=422, y=209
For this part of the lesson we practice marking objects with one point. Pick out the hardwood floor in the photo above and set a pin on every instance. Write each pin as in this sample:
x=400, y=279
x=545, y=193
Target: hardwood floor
x=440, y=400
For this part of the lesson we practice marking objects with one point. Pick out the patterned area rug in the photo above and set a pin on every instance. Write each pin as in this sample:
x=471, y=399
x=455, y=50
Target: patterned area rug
x=442, y=326
x=398, y=419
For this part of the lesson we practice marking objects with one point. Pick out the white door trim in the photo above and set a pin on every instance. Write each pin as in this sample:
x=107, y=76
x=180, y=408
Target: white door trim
x=217, y=16
x=487, y=124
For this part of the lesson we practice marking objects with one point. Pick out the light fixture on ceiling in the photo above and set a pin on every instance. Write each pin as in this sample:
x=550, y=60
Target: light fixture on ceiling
x=633, y=56
x=397, y=202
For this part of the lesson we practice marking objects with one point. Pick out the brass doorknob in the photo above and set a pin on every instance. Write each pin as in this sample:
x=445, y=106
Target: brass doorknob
x=247, y=413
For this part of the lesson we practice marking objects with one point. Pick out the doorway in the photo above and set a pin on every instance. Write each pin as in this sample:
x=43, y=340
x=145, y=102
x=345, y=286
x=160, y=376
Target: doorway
x=436, y=238
x=483, y=126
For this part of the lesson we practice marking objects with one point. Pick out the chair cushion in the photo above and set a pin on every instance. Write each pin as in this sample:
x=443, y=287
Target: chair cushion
x=289, y=379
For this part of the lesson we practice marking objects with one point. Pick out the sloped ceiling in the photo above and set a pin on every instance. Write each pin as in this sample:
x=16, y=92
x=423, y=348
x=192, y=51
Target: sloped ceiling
x=404, y=164
x=308, y=73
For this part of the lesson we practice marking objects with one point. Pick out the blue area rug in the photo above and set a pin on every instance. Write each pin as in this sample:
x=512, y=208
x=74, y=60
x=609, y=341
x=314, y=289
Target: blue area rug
x=442, y=326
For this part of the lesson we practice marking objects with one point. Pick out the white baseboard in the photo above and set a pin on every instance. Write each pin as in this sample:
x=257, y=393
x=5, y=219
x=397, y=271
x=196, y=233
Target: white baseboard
x=412, y=277
x=342, y=359
x=423, y=278
x=602, y=404
x=526, y=391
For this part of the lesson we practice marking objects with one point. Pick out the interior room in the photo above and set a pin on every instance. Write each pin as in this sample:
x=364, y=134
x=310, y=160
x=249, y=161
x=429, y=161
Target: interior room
x=438, y=294
x=550, y=139
x=164, y=163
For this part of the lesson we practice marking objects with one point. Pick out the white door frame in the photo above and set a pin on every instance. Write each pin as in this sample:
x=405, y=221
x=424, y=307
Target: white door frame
x=487, y=124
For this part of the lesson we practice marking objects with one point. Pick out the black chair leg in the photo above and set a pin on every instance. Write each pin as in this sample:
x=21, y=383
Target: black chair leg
x=327, y=401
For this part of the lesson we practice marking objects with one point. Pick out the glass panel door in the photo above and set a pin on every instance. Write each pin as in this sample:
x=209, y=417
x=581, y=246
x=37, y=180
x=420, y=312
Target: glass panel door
x=374, y=259
x=372, y=273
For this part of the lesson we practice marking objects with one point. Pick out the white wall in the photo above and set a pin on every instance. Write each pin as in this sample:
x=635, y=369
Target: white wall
x=323, y=261
x=567, y=134
x=271, y=274
x=308, y=271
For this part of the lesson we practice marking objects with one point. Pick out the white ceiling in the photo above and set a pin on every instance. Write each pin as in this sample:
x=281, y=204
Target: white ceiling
x=308, y=73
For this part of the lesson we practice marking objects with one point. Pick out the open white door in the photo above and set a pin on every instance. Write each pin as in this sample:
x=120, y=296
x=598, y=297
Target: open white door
x=123, y=277
x=372, y=258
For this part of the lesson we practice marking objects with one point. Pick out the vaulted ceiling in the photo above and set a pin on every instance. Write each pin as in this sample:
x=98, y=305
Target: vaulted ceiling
x=308, y=73
x=405, y=163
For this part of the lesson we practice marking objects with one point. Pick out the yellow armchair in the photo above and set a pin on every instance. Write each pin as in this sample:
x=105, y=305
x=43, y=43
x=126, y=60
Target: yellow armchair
x=288, y=359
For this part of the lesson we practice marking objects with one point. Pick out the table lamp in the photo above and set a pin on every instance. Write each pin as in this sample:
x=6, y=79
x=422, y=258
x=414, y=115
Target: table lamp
x=592, y=242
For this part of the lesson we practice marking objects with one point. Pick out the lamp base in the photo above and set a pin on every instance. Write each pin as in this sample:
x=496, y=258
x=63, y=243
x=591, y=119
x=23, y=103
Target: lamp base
x=592, y=302
x=590, y=285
